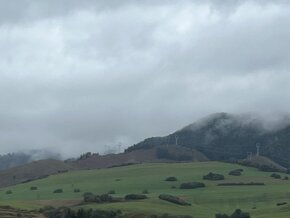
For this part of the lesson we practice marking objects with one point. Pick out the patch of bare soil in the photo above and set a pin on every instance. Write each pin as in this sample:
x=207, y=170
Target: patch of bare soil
x=59, y=203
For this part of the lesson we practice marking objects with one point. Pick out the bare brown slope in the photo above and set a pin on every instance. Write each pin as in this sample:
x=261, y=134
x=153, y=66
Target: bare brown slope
x=31, y=171
x=137, y=156
x=9, y=212
x=43, y=168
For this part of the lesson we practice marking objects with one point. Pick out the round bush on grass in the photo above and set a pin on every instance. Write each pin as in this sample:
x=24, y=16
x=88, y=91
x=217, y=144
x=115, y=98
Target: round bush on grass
x=111, y=192
x=235, y=173
x=171, y=179
x=33, y=188
x=8, y=192
x=59, y=190
x=213, y=176
x=76, y=190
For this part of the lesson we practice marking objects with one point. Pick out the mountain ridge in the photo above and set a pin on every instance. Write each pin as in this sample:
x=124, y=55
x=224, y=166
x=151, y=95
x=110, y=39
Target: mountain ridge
x=223, y=136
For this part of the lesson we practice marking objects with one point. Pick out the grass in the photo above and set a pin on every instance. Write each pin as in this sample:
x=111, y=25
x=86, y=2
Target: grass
x=136, y=178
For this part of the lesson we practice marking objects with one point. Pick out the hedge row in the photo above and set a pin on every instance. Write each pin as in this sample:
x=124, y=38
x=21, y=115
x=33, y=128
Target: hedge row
x=174, y=199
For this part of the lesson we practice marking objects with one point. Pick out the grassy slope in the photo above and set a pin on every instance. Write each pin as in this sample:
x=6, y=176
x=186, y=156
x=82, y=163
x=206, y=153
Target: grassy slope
x=134, y=179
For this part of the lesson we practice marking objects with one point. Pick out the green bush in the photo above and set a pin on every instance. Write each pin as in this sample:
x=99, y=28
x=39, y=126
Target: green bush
x=89, y=197
x=276, y=176
x=174, y=199
x=64, y=212
x=111, y=192
x=171, y=179
x=192, y=185
x=235, y=173
x=59, y=190
x=145, y=191
x=135, y=197
x=76, y=190
x=266, y=168
x=106, y=198
x=33, y=188
x=213, y=176
x=8, y=192
x=240, y=183
x=237, y=214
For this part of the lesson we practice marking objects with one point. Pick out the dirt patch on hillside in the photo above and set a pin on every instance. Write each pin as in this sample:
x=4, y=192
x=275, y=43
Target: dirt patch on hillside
x=32, y=171
x=134, y=157
x=59, y=203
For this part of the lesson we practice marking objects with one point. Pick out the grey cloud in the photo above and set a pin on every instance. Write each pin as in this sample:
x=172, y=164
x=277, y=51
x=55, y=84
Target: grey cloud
x=78, y=76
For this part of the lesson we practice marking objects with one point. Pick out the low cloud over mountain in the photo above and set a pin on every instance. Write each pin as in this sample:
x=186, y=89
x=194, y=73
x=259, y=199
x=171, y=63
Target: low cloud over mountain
x=88, y=75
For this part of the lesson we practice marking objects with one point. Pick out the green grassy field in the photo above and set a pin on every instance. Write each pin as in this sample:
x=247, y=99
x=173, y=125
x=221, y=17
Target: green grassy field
x=206, y=202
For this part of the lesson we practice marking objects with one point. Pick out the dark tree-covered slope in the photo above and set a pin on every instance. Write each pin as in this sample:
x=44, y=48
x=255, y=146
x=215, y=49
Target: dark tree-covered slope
x=224, y=136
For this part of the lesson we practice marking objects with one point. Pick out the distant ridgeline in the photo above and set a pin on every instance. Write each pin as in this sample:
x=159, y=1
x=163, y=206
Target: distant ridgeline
x=225, y=136
x=13, y=159
x=19, y=158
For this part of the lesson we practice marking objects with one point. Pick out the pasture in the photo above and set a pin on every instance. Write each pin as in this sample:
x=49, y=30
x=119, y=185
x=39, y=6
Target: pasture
x=259, y=201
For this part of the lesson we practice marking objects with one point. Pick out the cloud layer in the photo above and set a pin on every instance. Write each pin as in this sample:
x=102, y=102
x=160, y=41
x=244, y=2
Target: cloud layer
x=78, y=76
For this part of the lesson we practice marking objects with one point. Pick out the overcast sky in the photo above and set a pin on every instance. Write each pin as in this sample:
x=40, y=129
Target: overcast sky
x=81, y=76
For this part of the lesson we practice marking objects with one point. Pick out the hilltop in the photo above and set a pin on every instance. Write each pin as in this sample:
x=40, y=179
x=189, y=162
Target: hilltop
x=226, y=136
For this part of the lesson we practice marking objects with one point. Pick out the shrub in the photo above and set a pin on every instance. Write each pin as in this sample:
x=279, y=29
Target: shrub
x=281, y=203
x=77, y=190
x=286, y=178
x=239, y=214
x=145, y=191
x=106, y=198
x=81, y=213
x=192, y=185
x=111, y=192
x=267, y=168
x=89, y=197
x=8, y=192
x=174, y=199
x=135, y=197
x=213, y=176
x=171, y=179
x=276, y=176
x=240, y=183
x=33, y=188
x=235, y=173
x=59, y=190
